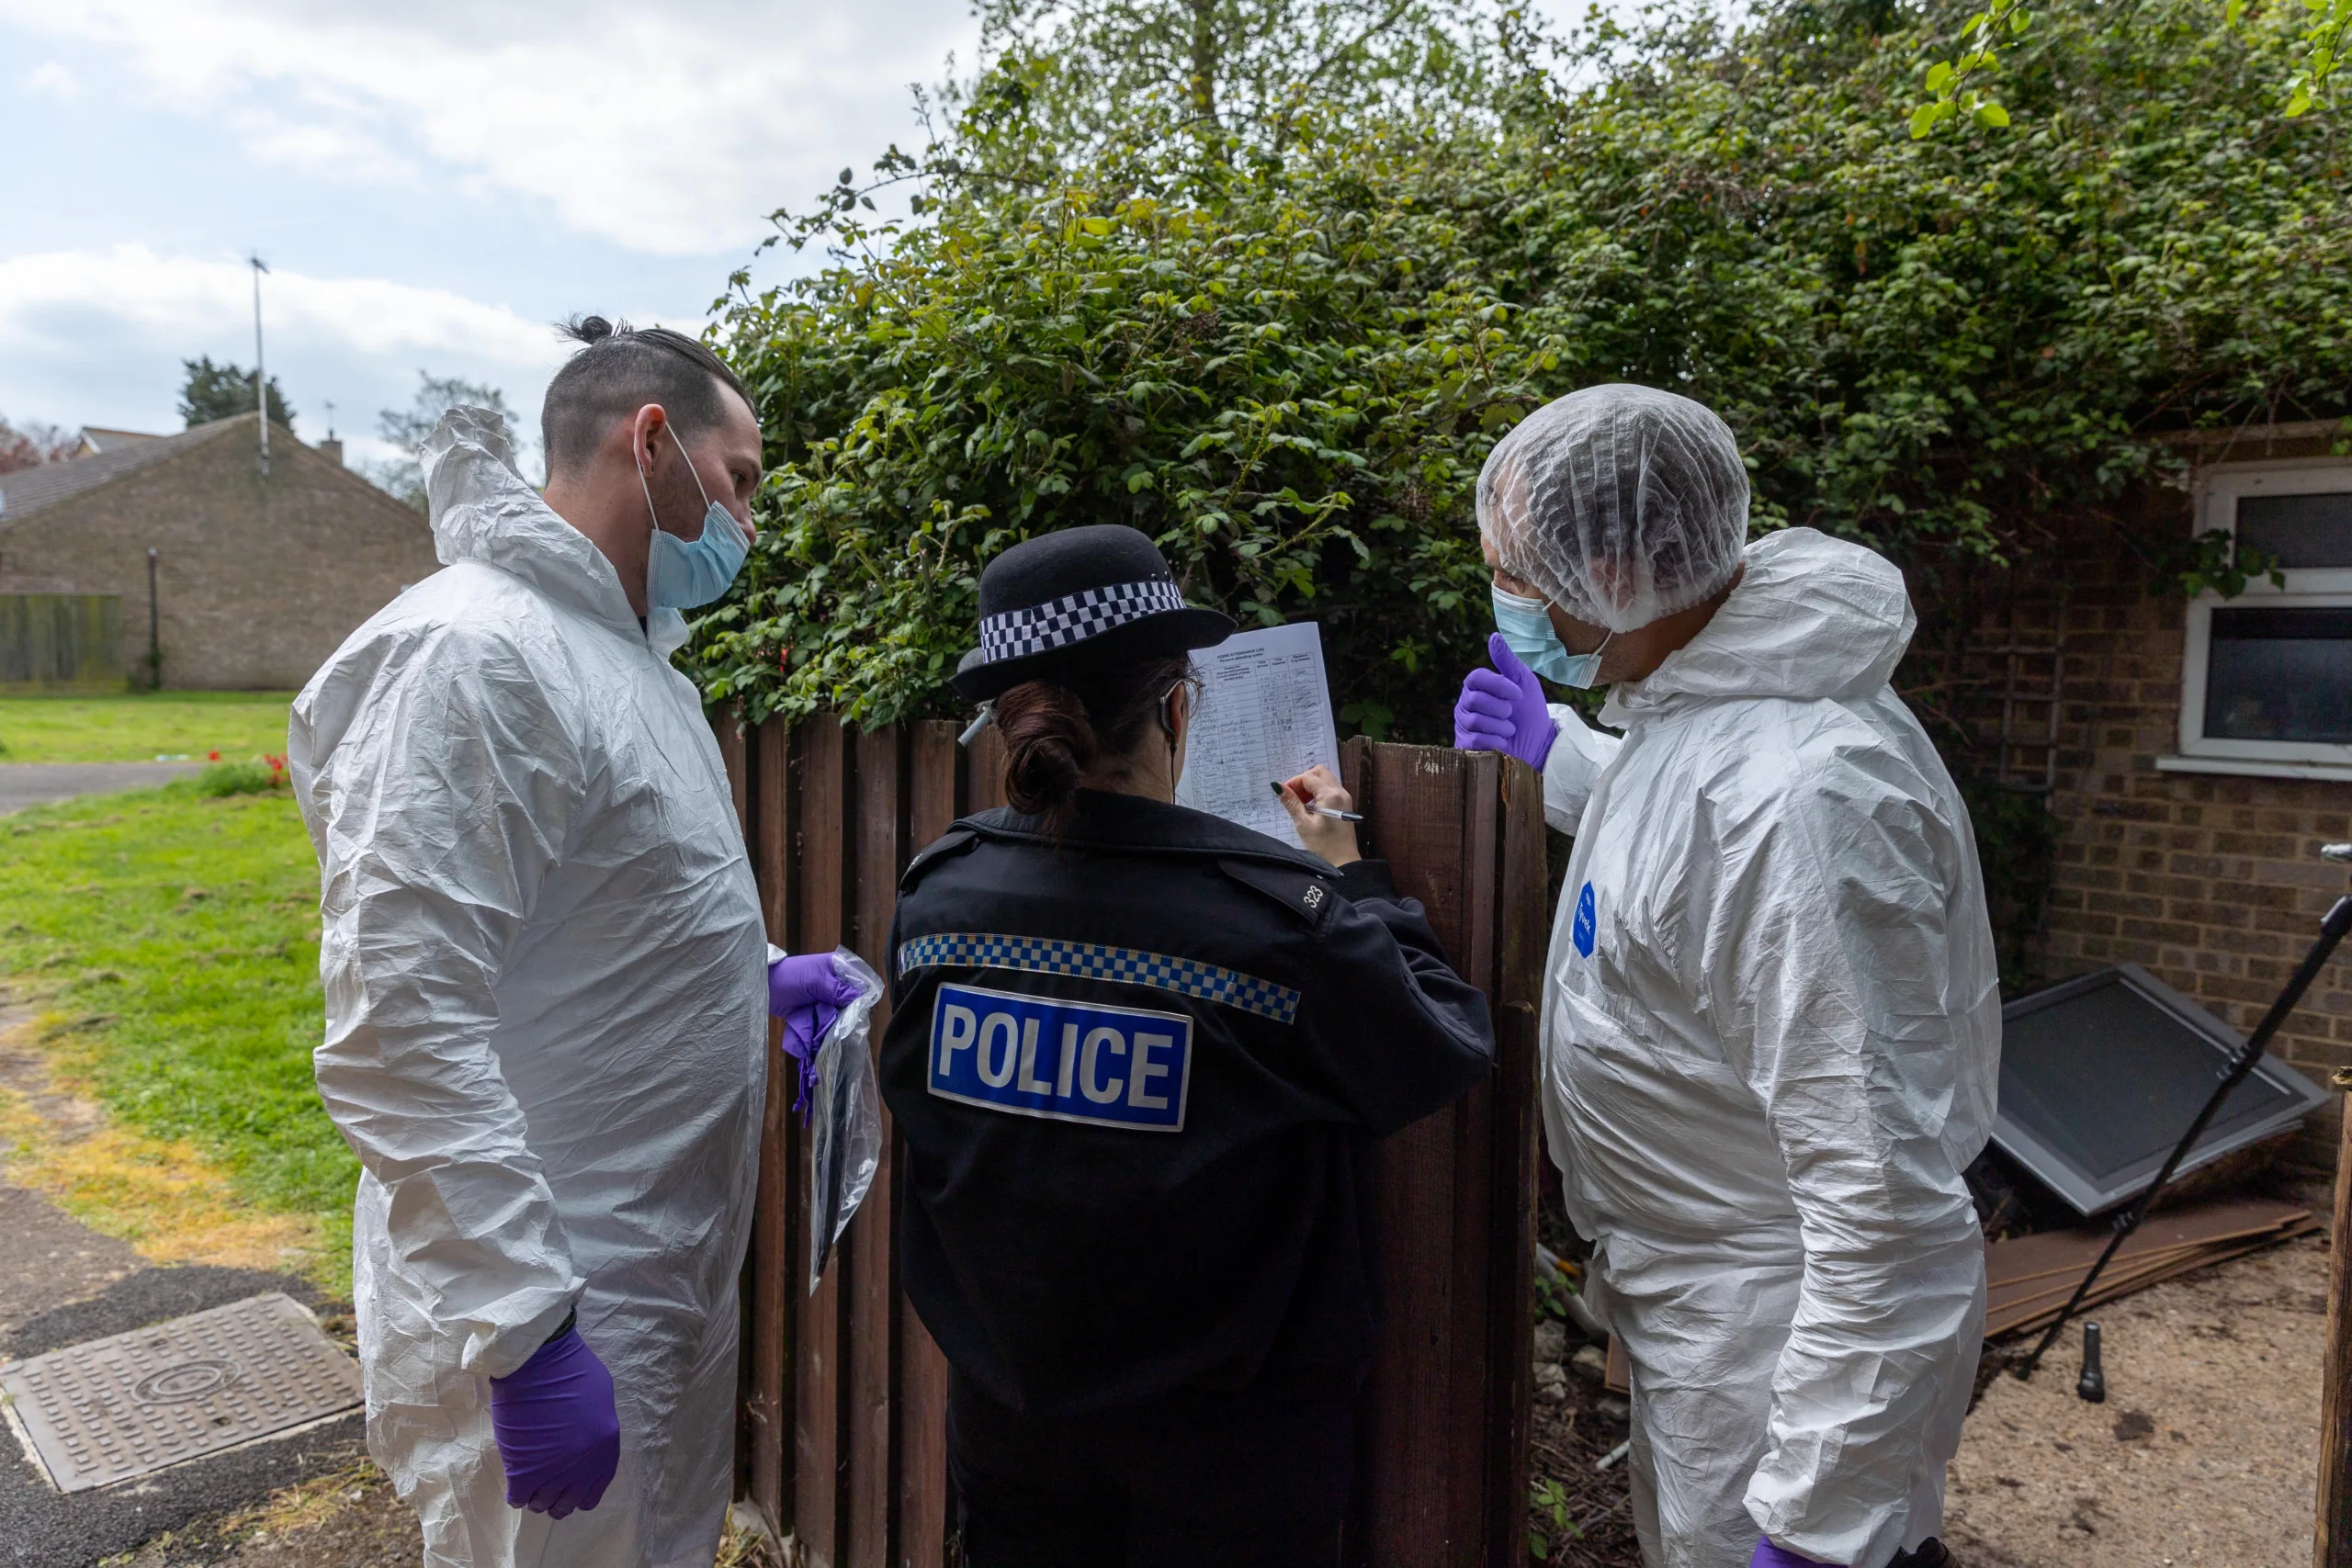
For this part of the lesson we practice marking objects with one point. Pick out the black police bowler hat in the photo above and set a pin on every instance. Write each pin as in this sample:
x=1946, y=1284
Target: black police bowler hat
x=1078, y=599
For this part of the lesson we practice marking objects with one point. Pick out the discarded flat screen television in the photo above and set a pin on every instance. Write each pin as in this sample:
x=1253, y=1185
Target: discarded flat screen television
x=2101, y=1075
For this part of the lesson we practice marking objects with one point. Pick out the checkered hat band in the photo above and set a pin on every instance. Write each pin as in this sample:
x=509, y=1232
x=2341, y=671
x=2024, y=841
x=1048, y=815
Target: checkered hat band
x=1091, y=960
x=1058, y=623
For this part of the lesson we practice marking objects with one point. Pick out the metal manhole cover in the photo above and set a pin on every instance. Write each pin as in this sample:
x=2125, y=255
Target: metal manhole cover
x=189, y=1380
x=119, y=1407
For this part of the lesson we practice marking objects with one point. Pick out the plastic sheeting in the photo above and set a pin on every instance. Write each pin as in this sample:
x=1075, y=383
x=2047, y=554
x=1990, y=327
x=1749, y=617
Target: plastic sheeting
x=845, y=1118
x=1620, y=503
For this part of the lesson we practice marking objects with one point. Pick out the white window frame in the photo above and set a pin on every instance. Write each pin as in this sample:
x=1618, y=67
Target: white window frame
x=2219, y=488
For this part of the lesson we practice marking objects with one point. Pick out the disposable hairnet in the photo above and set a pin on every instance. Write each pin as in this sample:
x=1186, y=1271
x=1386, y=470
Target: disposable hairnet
x=1620, y=503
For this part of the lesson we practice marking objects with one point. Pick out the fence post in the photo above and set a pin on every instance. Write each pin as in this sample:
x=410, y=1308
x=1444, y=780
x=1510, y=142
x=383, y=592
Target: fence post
x=2331, y=1541
x=1443, y=1448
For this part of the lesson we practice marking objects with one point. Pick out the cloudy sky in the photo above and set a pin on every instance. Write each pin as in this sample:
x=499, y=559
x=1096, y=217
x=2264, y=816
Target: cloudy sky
x=430, y=184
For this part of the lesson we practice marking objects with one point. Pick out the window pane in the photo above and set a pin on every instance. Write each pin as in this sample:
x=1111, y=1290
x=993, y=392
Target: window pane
x=2110, y=1080
x=2280, y=675
x=2299, y=530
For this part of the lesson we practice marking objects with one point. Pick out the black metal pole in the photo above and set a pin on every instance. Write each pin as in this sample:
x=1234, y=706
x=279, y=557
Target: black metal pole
x=154, y=629
x=2332, y=931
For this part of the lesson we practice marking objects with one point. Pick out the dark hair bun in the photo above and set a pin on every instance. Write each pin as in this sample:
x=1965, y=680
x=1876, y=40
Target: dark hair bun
x=1055, y=733
x=1049, y=743
x=588, y=329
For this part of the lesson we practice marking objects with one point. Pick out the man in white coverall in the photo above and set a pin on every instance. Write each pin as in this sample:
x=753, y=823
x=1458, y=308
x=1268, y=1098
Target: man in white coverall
x=543, y=956
x=1771, y=1028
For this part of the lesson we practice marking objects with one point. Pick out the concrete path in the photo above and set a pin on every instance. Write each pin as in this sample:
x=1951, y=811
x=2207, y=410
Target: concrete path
x=30, y=783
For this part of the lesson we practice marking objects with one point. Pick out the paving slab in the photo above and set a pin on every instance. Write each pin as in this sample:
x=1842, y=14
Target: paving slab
x=36, y=784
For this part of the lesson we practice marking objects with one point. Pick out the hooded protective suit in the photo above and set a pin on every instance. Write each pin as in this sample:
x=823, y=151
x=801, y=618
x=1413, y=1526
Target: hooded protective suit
x=546, y=1019
x=1771, y=1039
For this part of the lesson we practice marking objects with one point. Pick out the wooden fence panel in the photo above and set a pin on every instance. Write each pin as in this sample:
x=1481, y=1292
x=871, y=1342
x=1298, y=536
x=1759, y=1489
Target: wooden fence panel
x=1522, y=941
x=1444, y=1435
x=61, y=641
x=869, y=1261
x=984, y=771
x=925, y=1507
x=834, y=819
x=767, y=1354
x=820, y=1388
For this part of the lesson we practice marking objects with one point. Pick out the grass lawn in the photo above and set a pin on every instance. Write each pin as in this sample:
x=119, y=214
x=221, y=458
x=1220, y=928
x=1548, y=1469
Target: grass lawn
x=170, y=942
x=138, y=726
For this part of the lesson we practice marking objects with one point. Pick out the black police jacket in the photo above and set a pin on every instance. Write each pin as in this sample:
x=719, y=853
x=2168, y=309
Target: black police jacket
x=1138, y=1070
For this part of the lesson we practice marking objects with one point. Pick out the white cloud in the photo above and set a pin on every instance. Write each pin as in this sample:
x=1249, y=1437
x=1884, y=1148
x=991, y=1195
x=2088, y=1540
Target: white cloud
x=53, y=80
x=42, y=297
x=97, y=336
x=670, y=131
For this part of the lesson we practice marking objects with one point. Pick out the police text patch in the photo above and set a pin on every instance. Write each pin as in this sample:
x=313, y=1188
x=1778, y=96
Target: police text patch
x=1062, y=1060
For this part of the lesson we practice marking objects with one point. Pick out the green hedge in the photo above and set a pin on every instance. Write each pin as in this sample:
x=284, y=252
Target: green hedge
x=1287, y=356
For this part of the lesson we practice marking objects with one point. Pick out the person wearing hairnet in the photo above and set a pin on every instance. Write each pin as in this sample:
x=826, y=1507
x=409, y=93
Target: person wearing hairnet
x=543, y=956
x=1771, y=1027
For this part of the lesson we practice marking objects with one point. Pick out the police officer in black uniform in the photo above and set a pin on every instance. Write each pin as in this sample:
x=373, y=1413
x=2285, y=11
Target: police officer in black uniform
x=1139, y=1054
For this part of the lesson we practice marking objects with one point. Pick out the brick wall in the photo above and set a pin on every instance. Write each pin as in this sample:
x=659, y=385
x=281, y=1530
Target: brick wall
x=2210, y=882
x=258, y=581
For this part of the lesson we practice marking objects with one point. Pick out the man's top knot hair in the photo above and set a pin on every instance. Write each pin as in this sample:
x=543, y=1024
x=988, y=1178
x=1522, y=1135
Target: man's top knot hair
x=619, y=369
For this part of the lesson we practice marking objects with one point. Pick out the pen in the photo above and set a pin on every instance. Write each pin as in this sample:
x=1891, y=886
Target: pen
x=1324, y=810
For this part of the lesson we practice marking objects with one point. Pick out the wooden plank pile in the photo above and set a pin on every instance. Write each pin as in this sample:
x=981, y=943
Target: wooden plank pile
x=2031, y=1277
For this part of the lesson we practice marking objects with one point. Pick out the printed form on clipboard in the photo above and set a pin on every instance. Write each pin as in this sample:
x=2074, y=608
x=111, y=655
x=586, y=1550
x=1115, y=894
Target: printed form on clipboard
x=1264, y=716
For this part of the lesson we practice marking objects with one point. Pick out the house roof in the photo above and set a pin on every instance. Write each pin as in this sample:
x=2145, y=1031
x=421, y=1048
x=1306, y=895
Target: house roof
x=99, y=439
x=28, y=491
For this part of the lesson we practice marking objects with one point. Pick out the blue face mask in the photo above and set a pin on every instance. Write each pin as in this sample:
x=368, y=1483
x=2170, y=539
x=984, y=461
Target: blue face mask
x=1526, y=626
x=680, y=574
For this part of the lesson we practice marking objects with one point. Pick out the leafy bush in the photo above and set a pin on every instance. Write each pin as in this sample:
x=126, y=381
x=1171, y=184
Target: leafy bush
x=1284, y=348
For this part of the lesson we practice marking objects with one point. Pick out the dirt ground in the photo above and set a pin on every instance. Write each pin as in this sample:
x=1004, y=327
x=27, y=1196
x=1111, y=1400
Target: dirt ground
x=350, y=1519
x=2206, y=1452
x=1575, y=1426
x=346, y=1519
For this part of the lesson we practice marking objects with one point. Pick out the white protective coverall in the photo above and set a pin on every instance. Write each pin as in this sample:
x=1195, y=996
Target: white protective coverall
x=546, y=1020
x=1771, y=1039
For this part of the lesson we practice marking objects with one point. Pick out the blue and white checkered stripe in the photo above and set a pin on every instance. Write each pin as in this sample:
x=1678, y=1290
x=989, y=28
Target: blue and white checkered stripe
x=1091, y=961
x=1057, y=623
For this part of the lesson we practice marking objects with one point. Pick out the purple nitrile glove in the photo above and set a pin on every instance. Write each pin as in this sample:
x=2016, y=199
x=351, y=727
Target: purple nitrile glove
x=559, y=1435
x=1769, y=1556
x=1504, y=712
x=808, y=993
x=802, y=981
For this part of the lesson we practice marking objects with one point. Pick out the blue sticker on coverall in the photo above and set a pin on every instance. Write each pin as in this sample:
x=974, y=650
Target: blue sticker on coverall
x=1582, y=931
x=1063, y=1061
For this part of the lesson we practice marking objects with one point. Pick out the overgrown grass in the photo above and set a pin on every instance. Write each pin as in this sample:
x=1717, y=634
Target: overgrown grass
x=171, y=938
x=139, y=727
